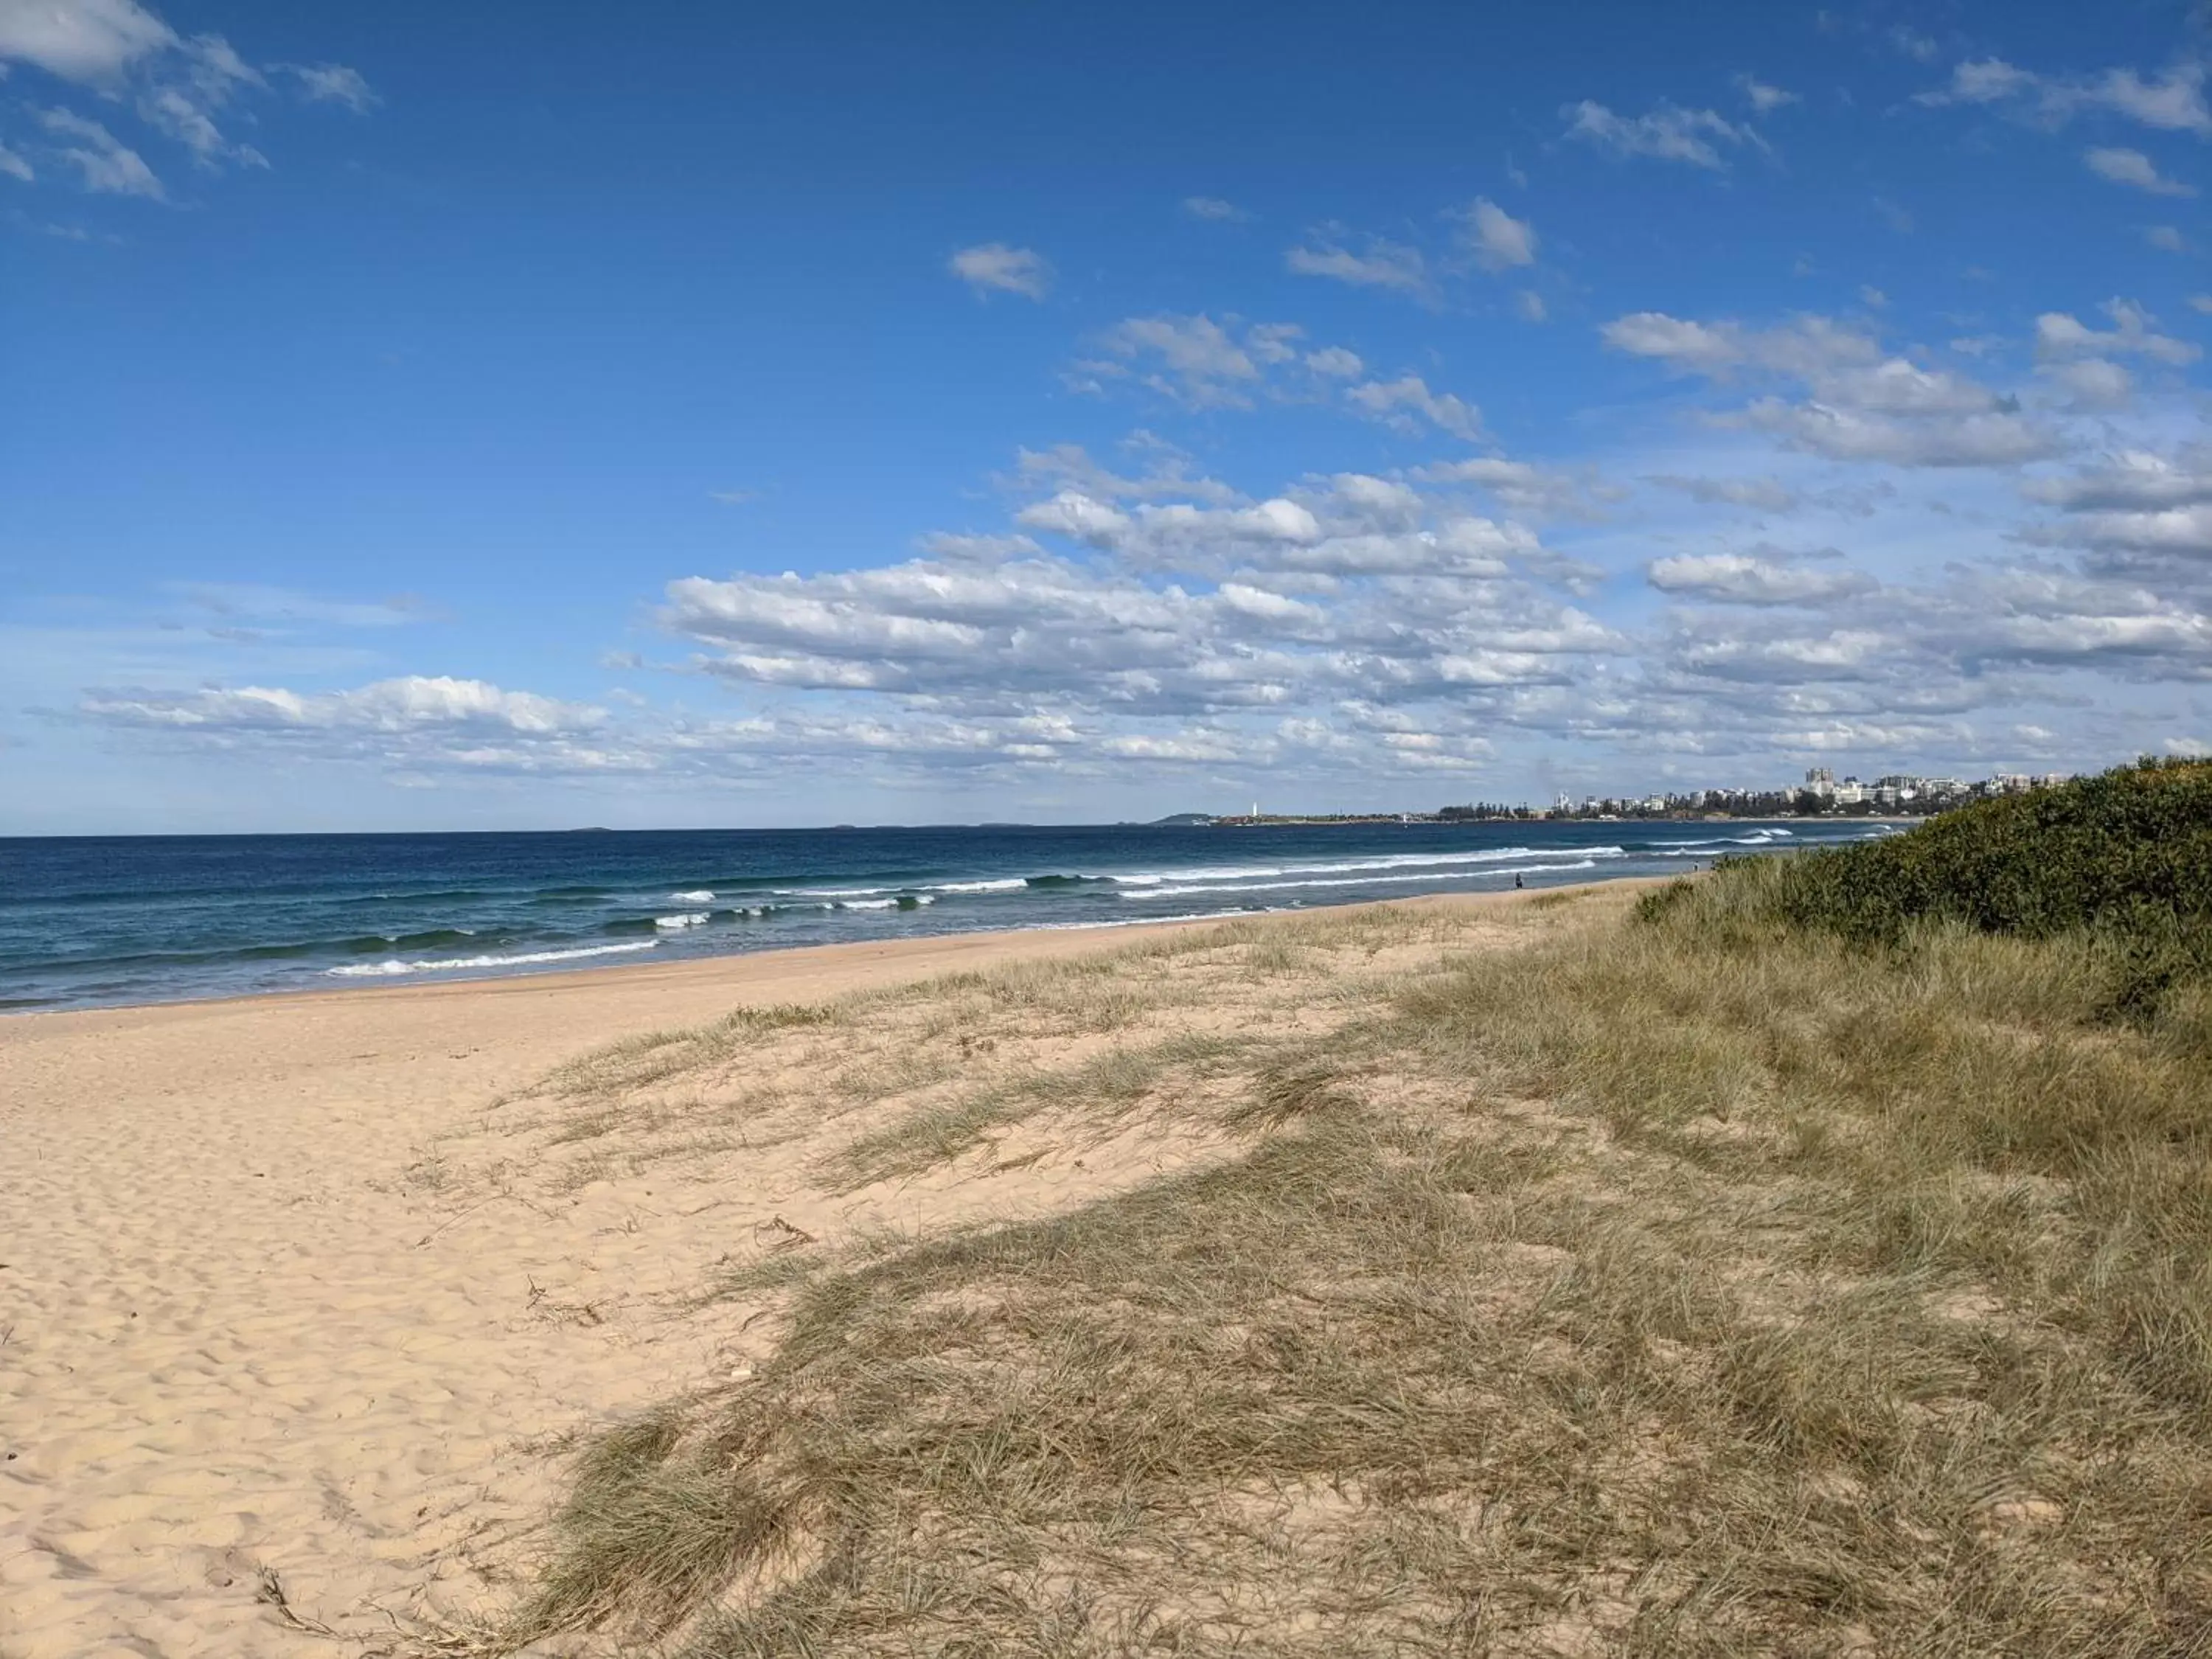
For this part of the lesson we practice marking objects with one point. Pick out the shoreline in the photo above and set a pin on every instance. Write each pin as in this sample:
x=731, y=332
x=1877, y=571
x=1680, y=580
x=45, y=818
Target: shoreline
x=815, y=958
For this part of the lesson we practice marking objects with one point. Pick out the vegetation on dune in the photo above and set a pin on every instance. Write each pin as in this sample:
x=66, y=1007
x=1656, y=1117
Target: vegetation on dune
x=1803, y=1260
x=2127, y=855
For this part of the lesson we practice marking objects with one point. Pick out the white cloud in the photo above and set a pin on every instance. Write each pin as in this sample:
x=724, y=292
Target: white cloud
x=993, y=267
x=412, y=702
x=2166, y=239
x=1391, y=265
x=1863, y=407
x=2173, y=102
x=1202, y=362
x=1071, y=466
x=88, y=41
x=2059, y=334
x=15, y=166
x=1353, y=586
x=1805, y=346
x=1742, y=579
x=1497, y=239
x=1213, y=207
x=2132, y=481
x=1523, y=487
x=1395, y=403
x=2134, y=509
x=1194, y=360
x=332, y=83
x=1530, y=305
x=2091, y=383
x=2133, y=167
x=104, y=163
x=2000, y=437
x=1765, y=99
x=176, y=84
x=1668, y=133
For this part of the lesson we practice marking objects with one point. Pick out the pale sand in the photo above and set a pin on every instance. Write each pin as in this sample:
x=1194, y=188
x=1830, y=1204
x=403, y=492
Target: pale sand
x=264, y=1302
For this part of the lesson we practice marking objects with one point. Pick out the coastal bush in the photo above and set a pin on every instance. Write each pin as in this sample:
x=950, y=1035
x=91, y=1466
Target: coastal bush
x=2128, y=852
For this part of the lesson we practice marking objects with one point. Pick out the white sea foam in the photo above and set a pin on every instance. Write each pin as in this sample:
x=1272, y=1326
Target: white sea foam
x=1496, y=874
x=885, y=904
x=1440, y=862
x=389, y=968
x=1012, y=884
x=677, y=924
x=696, y=895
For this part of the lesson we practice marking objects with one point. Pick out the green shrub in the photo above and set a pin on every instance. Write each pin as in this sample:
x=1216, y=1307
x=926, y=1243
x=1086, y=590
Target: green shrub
x=2128, y=852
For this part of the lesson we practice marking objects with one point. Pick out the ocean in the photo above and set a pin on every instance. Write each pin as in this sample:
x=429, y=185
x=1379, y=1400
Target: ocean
x=93, y=921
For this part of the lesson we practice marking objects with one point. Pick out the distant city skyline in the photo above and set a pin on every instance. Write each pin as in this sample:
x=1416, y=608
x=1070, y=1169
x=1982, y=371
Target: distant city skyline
x=499, y=417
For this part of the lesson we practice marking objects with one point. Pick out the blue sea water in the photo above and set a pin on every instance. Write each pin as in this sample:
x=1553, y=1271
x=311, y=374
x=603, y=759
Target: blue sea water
x=93, y=921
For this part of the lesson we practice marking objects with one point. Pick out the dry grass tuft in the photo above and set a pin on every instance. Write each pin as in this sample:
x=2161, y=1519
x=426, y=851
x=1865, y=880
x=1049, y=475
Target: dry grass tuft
x=1692, y=1284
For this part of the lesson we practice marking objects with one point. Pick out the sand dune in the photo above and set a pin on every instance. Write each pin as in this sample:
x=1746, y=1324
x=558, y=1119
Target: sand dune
x=277, y=1297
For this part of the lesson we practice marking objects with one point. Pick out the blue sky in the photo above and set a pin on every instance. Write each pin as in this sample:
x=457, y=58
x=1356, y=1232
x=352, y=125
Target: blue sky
x=523, y=416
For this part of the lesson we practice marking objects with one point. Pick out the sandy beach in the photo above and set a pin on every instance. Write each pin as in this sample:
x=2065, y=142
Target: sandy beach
x=290, y=1319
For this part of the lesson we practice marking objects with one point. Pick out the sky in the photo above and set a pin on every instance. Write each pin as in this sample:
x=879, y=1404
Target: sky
x=524, y=416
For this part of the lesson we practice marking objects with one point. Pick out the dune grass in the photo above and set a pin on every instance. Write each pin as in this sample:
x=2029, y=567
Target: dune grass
x=1692, y=1278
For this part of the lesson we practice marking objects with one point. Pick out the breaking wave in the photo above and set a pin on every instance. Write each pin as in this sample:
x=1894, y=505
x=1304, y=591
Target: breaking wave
x=394, y=967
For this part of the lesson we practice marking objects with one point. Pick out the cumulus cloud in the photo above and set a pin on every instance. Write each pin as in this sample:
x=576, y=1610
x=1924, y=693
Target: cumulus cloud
x=1805, y=347
x=2133, y=168
x=994, y=268
x=2132, y=481
x=104, y=163
x=413, y=704
x=1165, y=471
x=1863, y=407
x=2000, y=438
x=176, y=84
x=2174, y=101
x=1744, y=579
x=2059, y=334
x=2091, y=383
x=88, y=41
x=332, y=83
x=1194, y=360
x=1498, y=240
x=1407, y=401
x=1523, y=487
x=1193, y=613
x=2136, y=511
x=1764, y=97
x=1200, y=361
x=1352, y=625
x=1667, y=133
x=1389, y=265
